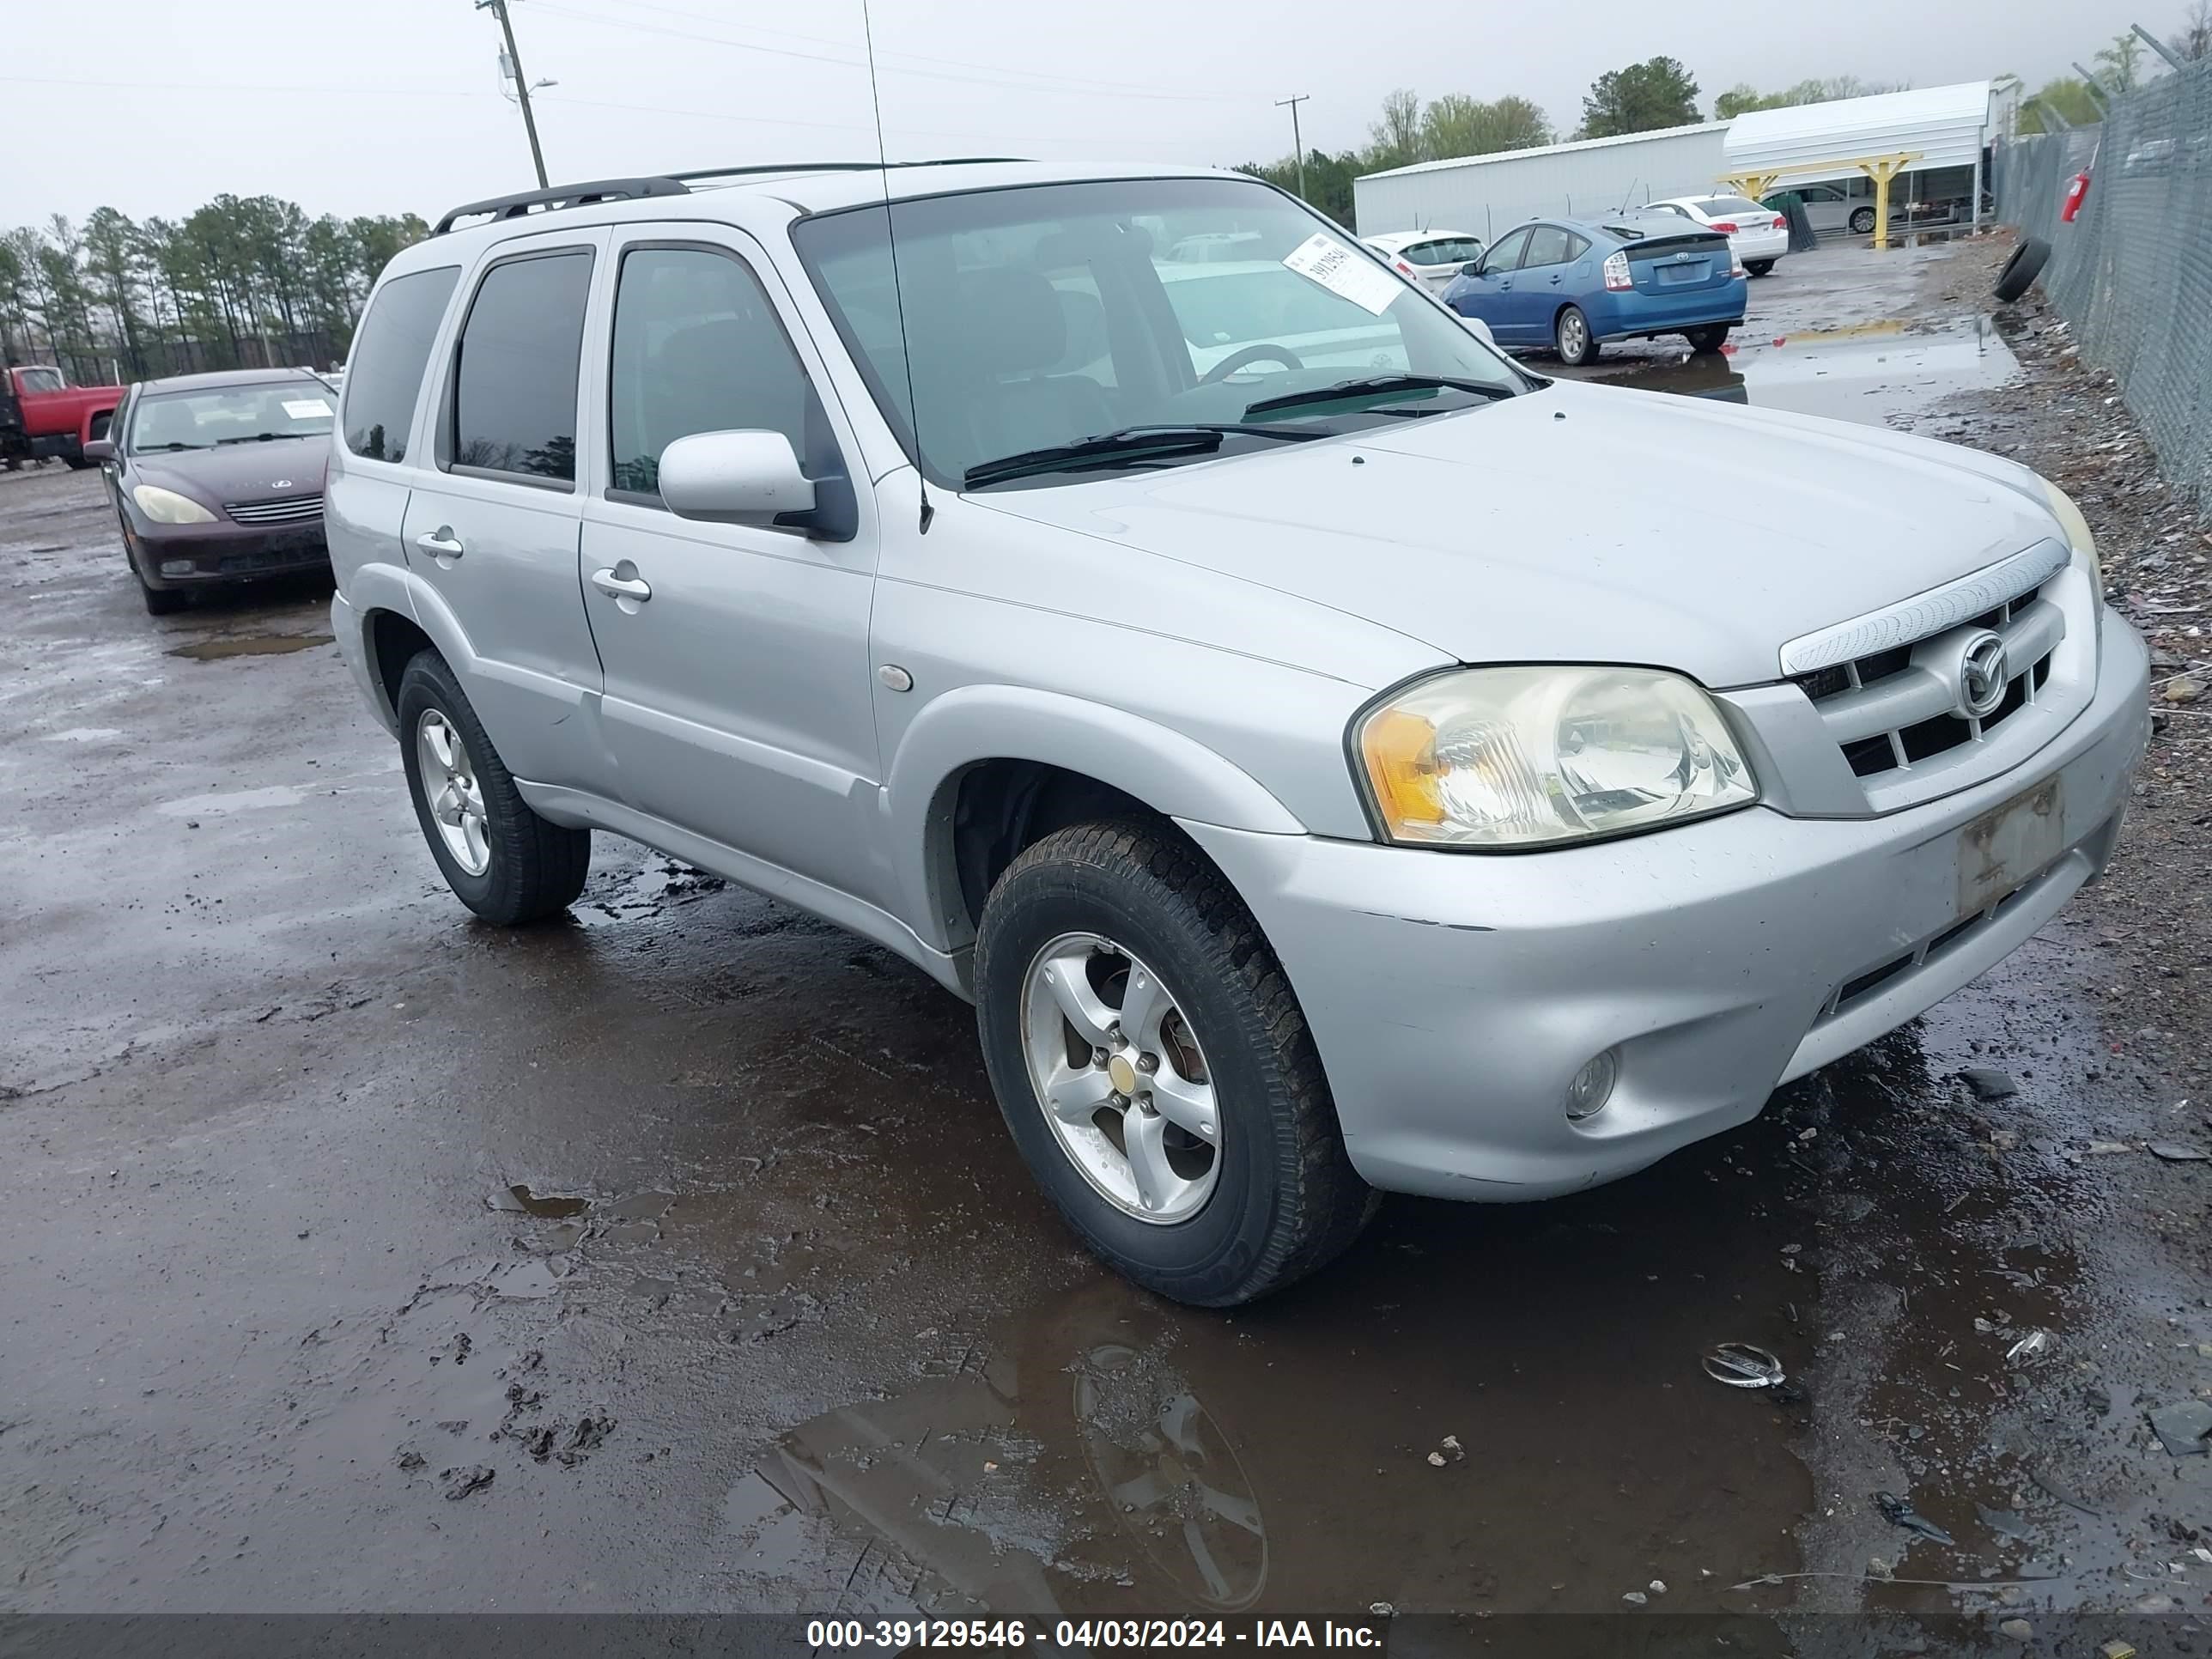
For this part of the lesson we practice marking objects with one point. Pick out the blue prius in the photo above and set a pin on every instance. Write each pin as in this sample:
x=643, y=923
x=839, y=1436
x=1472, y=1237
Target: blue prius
x=1573, y=286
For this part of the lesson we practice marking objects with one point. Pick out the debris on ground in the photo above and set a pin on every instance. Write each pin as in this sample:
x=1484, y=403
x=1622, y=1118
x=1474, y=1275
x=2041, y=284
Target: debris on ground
x=1636, y=1598
x=2004, y=1523
x=1742, y=1365
x=1988, y=1082
x=2116, y=1648
x=2175, y=1152
x=2181, y=1426
x=2018, y=1630
x=2034, y=1343
x=1898, y=1513
x=459, y=1483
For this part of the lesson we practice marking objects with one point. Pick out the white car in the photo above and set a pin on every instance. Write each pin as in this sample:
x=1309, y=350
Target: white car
x=1432, y=256
x=1759, y=235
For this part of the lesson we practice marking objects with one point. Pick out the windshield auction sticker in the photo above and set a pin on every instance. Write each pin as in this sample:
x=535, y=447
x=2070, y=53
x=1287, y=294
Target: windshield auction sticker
x=1321, y=258
x=306, y=408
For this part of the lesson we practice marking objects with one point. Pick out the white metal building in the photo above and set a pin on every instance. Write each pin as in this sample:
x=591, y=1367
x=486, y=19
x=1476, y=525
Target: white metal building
x=1487, y=195
x=1944, y=128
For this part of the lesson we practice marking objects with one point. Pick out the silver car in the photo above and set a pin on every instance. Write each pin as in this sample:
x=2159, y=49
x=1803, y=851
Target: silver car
x=1323, y=776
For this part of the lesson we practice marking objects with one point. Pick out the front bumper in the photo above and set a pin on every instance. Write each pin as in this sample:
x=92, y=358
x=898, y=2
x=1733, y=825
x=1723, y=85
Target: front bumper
x=224, y=552
x=1453, y=997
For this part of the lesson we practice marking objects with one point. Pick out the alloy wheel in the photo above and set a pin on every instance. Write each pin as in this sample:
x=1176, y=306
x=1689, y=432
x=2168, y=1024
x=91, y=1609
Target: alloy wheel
x=456, y=798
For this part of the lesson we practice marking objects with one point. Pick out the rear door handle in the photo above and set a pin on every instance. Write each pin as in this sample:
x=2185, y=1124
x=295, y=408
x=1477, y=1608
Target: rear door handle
x=1555, y=281
x=441, y=542
x=621, y=587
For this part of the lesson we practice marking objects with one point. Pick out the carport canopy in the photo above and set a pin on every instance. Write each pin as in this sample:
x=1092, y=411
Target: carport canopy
x=1879, y=136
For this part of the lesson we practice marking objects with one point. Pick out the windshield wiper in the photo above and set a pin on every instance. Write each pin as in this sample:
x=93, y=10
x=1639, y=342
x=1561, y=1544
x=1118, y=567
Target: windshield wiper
x=1374, y=385
x=147, y=449
x=1126, y=443
x=266, y=437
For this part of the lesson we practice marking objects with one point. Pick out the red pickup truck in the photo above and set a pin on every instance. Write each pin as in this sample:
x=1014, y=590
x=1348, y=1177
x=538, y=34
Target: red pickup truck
x=42, y=416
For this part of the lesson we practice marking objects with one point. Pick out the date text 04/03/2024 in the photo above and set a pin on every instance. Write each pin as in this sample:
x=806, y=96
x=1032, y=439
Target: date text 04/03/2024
x=899, y=1634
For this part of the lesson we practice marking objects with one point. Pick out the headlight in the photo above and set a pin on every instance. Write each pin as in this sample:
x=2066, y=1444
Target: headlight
x=167, y=506
x=1504, y=759
x=2077, y=534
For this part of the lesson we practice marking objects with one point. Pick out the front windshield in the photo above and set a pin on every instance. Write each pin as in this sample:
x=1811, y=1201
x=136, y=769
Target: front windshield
x=171, y=421
x=1041, y=316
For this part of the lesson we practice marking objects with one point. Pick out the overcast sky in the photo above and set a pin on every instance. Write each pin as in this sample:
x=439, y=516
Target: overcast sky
x=382, y=105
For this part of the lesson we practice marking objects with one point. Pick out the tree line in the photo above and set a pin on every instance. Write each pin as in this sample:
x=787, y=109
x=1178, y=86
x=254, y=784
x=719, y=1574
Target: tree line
x=243, y=282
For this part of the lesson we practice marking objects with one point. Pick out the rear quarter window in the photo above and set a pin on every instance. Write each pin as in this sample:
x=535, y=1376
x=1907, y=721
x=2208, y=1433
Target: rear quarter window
x=383, y=377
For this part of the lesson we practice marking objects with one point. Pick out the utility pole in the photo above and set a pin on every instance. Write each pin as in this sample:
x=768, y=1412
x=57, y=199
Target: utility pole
x=498, y=8
x=2172, y=59
x=1297, y=145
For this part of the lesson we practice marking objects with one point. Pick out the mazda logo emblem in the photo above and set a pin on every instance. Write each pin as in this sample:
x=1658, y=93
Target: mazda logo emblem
x=1982, y=676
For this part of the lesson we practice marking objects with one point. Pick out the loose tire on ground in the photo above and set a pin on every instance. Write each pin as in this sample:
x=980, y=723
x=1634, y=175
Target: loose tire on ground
x=536, y=867
x=2021, y=270
x=1285, y=1199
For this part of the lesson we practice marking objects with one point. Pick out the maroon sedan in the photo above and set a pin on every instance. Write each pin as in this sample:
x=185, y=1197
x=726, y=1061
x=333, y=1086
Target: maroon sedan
x=218, y=478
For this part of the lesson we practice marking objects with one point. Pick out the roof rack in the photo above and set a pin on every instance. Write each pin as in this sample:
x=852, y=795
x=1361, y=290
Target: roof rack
x=520, y=204
x=562, y=196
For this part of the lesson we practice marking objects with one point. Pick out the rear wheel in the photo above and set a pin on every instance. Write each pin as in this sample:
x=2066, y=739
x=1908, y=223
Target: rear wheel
x=1862, y=221
x=501, y=859
x=1710, y=339
x=1154, y=1069
x=1570, y=334
x=1758, y=267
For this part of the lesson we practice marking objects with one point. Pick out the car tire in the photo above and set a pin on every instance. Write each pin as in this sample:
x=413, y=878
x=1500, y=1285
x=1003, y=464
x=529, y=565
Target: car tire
x=531, y=867
x=2021, y=270
x=1273, y=1197
x=78, y=463
x=1572, y=339
x=1709, y=338
x=1862, y=221
x=162, y=601
x=1758, y=267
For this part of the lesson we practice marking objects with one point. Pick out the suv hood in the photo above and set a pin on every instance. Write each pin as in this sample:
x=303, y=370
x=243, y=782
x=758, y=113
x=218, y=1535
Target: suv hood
x=1581, y=524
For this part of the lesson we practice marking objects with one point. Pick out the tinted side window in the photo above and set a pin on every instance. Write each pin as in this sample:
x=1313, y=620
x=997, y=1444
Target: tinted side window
x=1504, y=255
x=390, y=355
x=515, y=371
x=1576, y=246
x=697, y=348
x=1547, y=246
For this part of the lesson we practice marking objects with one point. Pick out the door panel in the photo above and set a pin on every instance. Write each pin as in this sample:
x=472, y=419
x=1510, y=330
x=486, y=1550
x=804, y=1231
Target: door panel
x=738, y=703
x=494, y=532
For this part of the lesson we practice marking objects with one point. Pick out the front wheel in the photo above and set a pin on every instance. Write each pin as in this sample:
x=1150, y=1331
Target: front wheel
x=1154, y=1069
x=501, y=859
x=1862, y=221
x=1571, y=335
x=1707, y=339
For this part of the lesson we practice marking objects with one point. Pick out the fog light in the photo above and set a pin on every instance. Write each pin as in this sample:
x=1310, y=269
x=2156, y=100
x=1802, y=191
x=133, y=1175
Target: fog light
x=177, y=567
x=1593, y=1085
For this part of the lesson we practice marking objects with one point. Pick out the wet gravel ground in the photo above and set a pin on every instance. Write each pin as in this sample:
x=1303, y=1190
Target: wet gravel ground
x=672, y=1256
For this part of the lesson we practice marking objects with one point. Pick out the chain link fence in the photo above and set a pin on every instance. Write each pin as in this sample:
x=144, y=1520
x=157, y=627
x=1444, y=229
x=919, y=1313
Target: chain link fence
x=2133, y=273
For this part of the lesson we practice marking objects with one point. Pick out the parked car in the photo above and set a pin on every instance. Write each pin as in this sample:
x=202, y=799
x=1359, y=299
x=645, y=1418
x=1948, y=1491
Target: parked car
x=1433, y=256
x=218, y=478
x=1320, y=781
x=1837, y=205
x=1573, y=286
x=1758, y=236
x=43, y=416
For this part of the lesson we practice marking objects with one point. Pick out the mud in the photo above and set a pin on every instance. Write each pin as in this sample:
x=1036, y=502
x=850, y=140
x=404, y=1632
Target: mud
x=673, y=1257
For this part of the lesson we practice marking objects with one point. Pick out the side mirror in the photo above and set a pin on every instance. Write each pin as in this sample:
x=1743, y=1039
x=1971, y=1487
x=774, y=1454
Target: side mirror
x=734, y=478
x=1481, y=330
x=100, y=449
x=1471, y=268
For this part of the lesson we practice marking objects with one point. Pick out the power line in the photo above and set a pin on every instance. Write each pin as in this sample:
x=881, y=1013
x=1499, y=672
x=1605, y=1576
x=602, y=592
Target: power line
x=603, y=21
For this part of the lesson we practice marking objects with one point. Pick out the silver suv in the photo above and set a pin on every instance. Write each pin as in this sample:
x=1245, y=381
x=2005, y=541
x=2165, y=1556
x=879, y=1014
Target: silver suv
x=1330, y=757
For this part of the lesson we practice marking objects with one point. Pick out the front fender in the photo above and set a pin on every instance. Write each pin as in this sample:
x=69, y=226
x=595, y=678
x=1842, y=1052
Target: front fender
x=1172, y=774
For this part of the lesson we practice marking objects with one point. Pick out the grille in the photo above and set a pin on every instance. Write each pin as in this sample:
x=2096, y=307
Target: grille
x=291, y=509
x=1895, y=708
x=1931, y=952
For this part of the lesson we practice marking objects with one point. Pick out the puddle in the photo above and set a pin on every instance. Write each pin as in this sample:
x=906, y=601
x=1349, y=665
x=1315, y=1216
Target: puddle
x=236, y=800
x=250, y=645
x=84, y=734
x=1868, y=372
x=552, y=1207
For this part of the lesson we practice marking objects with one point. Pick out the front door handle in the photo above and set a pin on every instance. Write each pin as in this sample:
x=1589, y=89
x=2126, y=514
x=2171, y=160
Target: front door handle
x=621, y=587
x=441, y=542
